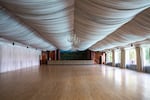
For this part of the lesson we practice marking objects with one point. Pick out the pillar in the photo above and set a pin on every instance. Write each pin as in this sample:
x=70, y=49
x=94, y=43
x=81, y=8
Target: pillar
x=113, y=58
x=122, y=58
x=139, y=59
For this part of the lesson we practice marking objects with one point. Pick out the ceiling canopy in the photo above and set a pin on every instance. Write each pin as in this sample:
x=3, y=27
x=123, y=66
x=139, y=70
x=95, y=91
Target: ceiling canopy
x=75, y=24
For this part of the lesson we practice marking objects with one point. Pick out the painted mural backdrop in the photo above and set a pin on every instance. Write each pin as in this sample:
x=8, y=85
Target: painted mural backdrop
x=76, y=55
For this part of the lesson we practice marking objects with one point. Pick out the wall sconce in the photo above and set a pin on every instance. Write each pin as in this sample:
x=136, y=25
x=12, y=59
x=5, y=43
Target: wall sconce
x=13, y=43
x=131, y=45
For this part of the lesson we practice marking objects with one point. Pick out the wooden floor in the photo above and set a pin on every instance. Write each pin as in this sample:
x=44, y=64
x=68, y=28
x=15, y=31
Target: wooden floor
x=74, y=82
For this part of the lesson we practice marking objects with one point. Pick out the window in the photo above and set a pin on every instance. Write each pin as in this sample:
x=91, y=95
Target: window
x=108, y=56
x=117, y=56
x=146, y=56
x=130, y=54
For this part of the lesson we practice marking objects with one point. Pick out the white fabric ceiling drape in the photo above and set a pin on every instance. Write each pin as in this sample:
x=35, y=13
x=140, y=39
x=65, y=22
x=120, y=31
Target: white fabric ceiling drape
x=136, y=30
x=52, y=19
x=79, y=24
x=13, y=30
x=95, y=19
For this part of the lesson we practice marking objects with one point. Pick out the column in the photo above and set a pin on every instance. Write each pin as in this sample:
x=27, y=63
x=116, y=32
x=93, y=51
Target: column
x=122, y=58
x=139, y=59
x=113, y=58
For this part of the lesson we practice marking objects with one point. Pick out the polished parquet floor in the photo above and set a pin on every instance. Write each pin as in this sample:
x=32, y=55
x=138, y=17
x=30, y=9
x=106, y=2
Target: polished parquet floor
x=74, y=82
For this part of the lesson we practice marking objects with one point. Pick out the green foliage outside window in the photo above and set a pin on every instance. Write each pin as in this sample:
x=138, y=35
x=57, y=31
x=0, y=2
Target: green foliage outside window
x=132, y=54
x=147, y=54
x=109, y=56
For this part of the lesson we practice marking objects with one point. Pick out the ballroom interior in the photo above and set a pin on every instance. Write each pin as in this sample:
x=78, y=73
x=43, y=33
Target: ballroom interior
x=74, y=50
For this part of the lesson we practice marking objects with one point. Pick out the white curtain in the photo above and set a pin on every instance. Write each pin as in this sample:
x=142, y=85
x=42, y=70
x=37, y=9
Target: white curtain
x=131, y=56
x=109, y=57
x=117, y=56
x=17, y=57
x=146, y=55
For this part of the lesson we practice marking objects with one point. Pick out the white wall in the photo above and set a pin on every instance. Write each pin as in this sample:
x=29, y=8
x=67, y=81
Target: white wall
x=17, y=57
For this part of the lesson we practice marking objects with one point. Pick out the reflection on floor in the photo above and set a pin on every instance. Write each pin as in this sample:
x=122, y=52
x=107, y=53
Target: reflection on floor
x=74, y=82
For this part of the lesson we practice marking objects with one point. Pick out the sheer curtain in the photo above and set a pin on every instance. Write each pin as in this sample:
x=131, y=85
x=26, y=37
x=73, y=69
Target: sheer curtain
x=109, y=57
x=146, y=55
x=117, y=56
x=17, y=57
x=130, y=56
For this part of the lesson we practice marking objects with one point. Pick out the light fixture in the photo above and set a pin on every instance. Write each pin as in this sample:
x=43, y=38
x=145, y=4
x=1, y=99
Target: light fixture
x=131, y=45
x=13, y=43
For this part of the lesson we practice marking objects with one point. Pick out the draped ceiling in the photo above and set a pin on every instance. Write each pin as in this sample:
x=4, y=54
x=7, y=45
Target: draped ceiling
x=75, y=24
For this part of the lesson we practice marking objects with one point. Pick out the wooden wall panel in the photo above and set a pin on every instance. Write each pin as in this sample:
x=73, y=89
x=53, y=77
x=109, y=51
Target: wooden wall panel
x=96, y=57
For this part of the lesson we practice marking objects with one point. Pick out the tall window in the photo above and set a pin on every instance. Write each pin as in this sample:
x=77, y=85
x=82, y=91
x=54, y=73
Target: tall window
x=146, y=56
x=130, y=56
x=108, y=56
x=117, y=56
